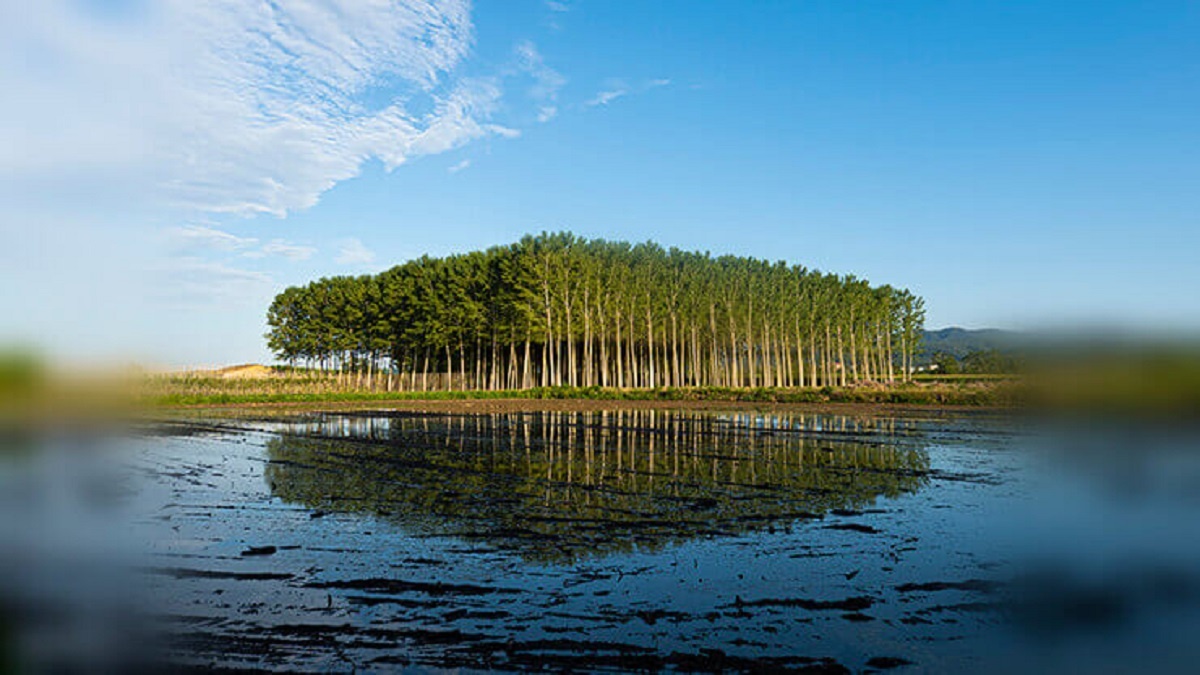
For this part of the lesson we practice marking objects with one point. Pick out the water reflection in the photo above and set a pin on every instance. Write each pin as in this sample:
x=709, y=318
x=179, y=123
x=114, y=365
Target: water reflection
x=559, y=486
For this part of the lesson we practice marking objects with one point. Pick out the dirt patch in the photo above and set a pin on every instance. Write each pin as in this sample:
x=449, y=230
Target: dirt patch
x=249, y=371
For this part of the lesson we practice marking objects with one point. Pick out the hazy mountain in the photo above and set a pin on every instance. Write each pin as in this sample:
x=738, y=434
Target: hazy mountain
x=958, y=342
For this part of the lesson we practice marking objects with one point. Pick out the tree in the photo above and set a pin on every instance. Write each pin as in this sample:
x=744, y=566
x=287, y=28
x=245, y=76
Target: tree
x=989, y=361
x=556, y=309
x=945, y=364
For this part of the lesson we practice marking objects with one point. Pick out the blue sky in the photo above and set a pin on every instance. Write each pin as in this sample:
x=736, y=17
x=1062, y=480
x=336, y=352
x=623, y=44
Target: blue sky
x=170, y=167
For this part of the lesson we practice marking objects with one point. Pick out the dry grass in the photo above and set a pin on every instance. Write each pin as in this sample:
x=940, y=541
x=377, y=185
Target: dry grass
x=286, y=386
x=251, y=371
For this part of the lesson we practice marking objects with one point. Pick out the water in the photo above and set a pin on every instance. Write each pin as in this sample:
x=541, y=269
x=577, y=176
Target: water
x=620, y=540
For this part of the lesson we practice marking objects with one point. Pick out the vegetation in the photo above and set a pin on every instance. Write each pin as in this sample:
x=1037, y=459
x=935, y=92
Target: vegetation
x=959, y=342
x=21, y=372
x=556, y=310
x=978, y=362
x=308, y=387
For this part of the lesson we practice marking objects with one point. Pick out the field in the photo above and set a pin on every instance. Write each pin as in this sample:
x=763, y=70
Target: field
x=1154, y=384
x=205, y=389
x=964, y=377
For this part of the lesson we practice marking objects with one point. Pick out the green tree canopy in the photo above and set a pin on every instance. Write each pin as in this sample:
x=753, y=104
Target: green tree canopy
x=557, y=309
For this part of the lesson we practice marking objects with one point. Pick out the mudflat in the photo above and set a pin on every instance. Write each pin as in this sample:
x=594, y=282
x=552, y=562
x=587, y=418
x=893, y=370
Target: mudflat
x=503, y=535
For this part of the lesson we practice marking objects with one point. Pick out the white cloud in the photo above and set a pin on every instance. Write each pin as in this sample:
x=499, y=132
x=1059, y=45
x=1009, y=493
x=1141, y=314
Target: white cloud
x=606, y=96
x=354, y=252
x=190, y=240
x=193, y=238
x=459, y=166
x=232, y=106
x=282, y=248
x=618, y=88
x=556, y=6
x=546, y=81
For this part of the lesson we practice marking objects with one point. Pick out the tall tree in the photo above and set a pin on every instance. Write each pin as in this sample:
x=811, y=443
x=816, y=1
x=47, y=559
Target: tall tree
x=556, y=309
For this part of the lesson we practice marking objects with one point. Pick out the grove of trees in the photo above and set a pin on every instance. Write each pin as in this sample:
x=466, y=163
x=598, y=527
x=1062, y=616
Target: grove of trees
x=560, y=310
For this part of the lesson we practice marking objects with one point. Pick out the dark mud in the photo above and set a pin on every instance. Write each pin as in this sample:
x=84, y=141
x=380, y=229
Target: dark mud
x=613, y=540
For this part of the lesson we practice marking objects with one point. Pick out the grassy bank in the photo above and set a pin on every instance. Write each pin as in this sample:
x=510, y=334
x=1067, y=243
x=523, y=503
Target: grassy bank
x=965, y=377
x=916, y=394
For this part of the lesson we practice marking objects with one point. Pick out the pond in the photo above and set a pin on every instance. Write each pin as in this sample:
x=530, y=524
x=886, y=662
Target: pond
x=606, y=540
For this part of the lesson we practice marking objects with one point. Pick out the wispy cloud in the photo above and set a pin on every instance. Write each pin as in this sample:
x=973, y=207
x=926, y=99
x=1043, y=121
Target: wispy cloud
x=191, y=240
x=237, y=107
x=606, y=96
x=193, y=281
x=354, y=252
x=556, y=9
x=455, y=168
x=194, y=238
x=279, y=247
x=616, y=89
x=546, y=81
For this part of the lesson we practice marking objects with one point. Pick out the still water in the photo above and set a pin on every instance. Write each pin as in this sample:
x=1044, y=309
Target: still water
x=623, y=540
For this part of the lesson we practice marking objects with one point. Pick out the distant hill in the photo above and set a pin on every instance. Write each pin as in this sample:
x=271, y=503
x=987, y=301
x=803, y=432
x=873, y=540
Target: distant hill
x=1055, y=344
x=958, y=342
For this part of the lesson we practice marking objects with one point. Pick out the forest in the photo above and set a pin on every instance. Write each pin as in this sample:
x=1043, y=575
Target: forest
x=556, y=309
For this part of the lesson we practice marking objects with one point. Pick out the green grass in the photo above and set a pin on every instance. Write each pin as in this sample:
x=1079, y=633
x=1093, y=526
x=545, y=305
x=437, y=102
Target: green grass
x=900, y=394
x=964, y=377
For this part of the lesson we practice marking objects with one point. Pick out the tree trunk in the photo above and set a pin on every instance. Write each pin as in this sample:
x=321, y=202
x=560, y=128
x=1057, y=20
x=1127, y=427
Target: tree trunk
x=425, y=372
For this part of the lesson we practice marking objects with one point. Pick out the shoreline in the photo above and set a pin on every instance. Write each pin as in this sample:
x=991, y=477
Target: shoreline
x=204, y=393
x=524, y=405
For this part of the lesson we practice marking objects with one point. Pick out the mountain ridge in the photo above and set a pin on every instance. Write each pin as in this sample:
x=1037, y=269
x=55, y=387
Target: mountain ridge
x=958, y=342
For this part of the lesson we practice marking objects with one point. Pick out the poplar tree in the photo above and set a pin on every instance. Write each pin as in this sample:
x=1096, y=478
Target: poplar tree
x=560, y=310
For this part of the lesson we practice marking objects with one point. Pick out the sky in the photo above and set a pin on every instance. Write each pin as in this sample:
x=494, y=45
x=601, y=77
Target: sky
x=168, y=166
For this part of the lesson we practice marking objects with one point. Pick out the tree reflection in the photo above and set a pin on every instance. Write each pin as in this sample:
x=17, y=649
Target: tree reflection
x=560, y=486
